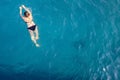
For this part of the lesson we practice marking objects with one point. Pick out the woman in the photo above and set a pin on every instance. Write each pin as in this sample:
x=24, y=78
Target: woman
x=32, y=28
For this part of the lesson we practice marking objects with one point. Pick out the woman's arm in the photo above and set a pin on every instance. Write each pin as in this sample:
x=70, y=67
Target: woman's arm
x=26, y=9
x=21, y=13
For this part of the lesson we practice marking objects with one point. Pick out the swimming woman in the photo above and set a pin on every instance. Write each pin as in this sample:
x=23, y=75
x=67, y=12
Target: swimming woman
x=32, y=28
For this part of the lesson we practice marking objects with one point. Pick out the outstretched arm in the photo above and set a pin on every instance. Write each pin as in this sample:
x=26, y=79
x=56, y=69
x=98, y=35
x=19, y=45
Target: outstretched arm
x=26, y=9
x=21, y=12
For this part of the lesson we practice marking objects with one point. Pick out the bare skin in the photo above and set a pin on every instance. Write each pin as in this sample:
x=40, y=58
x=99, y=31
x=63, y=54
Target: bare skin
x=29, y=20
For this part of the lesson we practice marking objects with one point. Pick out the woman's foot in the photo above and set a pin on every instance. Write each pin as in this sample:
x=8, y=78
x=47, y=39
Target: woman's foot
x=37, y=45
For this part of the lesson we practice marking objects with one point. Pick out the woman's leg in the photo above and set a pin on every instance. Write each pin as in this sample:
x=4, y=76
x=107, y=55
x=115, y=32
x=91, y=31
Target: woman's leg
x=36, y=33
x=33, y=38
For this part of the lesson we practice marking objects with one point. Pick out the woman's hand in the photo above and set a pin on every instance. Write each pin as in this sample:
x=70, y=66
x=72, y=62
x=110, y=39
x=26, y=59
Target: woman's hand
x=23, y=6
x=20, y=7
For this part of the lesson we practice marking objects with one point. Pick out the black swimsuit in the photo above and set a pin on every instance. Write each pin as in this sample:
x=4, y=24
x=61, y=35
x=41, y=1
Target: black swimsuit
x=32, y=28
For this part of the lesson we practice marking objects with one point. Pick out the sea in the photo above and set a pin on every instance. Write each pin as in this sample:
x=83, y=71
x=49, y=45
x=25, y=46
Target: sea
x=79, y=40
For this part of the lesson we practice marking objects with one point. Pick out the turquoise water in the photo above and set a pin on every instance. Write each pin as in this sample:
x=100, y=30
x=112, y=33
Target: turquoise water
x=80, y=40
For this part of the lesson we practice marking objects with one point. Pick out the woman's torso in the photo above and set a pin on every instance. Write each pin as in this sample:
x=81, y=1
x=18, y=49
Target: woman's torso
x=29, y=21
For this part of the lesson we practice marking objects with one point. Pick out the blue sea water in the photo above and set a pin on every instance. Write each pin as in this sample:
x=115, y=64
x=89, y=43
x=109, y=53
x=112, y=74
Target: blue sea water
x=80, y=40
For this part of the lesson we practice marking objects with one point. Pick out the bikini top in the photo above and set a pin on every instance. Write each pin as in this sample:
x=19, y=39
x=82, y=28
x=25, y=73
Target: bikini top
x=28, y=22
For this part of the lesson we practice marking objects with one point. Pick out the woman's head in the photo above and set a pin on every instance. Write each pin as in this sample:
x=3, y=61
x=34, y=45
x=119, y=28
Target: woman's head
x=26, y=14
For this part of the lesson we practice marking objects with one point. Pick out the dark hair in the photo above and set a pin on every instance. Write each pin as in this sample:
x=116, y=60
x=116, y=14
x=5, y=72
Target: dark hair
x=26, y=13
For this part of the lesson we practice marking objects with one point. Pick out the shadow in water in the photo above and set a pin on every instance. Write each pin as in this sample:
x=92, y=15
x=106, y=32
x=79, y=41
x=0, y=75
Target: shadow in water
x=80, y=44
